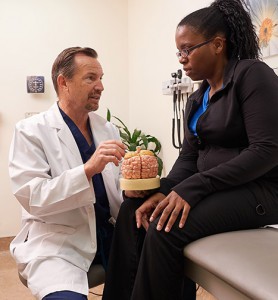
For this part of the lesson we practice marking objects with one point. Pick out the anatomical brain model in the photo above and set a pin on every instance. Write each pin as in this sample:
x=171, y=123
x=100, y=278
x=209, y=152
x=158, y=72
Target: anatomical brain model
x=139, y=164
x=139, y=170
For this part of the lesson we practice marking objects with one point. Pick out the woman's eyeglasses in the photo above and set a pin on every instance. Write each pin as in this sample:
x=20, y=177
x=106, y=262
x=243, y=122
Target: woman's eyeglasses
x=185, y=52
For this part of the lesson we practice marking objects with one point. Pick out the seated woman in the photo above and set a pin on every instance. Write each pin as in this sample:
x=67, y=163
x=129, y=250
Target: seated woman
x=226, y=176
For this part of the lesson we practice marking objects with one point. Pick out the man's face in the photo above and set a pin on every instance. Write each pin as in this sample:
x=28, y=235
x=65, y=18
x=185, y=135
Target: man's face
x=85, y=87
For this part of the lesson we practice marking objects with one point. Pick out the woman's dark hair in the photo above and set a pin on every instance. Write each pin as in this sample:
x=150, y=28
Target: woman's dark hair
x=64, y=63
x=231, y=18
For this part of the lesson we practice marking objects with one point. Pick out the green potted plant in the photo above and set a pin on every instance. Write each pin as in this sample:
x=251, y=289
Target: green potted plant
x=137, y=138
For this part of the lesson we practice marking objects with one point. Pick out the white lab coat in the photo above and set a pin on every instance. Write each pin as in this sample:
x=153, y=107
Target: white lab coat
x=48, y=179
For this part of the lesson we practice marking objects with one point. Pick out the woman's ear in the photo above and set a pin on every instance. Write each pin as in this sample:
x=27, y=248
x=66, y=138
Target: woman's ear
x=219, y=43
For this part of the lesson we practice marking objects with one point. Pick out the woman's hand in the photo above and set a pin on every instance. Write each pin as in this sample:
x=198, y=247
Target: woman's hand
x=170, y=207
x=136, y=194
x=143, y=213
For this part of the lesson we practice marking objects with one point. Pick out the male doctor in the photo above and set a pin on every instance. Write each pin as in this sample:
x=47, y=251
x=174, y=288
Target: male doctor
x=64, y=169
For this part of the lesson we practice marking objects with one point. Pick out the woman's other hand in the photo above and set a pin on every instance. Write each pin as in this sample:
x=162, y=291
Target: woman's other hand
x=143, y=213
x=136, y=194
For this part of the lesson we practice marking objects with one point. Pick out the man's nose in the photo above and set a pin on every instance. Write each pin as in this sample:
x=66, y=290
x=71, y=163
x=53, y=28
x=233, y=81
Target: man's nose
x=99, y=86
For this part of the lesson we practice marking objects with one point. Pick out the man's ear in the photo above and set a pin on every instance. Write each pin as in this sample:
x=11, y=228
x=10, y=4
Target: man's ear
x=62, y=83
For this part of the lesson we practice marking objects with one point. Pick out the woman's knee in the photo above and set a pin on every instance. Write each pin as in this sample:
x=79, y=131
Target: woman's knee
x=129, y=206
x=177, y=237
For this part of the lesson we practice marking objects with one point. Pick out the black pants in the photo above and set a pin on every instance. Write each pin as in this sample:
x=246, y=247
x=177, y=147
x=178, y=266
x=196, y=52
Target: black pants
x=150, y=265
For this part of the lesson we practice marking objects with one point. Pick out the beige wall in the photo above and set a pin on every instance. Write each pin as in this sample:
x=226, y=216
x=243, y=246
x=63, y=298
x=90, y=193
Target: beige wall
x=32, y=34
x=152, y=59
x=152, y=56
x=135, y=41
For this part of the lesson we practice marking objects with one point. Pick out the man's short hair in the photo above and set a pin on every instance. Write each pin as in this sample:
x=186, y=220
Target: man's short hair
x=64, y=63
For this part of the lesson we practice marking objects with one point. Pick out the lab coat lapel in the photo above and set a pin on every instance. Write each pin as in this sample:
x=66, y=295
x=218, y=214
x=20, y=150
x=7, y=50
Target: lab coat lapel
x=65, y=136
x=67, y=139
x=100, y=133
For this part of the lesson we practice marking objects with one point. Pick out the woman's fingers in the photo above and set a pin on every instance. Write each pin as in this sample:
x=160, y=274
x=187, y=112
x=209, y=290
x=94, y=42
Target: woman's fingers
x=145, y=222
x=173, y=217
x=167, y=211
x=159, y=208
x=143, y=212
x=170, y=208
x=184, y=215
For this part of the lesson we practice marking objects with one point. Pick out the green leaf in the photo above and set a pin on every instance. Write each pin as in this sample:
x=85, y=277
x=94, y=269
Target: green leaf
x=137, y=138
x=145, y=141
x=124, y=137
x=135, y=135
x=132, y=147
x=141, y=145
x=152, y=139
x=108, y=115
x=120, y=121
x=160, y=165
x=125, y=129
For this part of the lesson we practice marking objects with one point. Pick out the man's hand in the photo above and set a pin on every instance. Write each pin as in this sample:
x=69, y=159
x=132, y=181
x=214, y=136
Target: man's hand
x=107, y=151
x=170, y=207
x=143, y=213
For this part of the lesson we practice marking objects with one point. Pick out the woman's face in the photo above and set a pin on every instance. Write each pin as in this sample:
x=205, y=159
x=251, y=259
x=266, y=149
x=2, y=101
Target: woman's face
x=201, y=62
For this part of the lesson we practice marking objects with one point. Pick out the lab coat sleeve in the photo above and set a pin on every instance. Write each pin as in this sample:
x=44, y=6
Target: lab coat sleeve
x=39, y=191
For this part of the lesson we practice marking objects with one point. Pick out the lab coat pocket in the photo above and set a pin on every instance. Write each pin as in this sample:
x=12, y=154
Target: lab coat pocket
x=44, y=240
x=40, y=229
x=54, y=238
